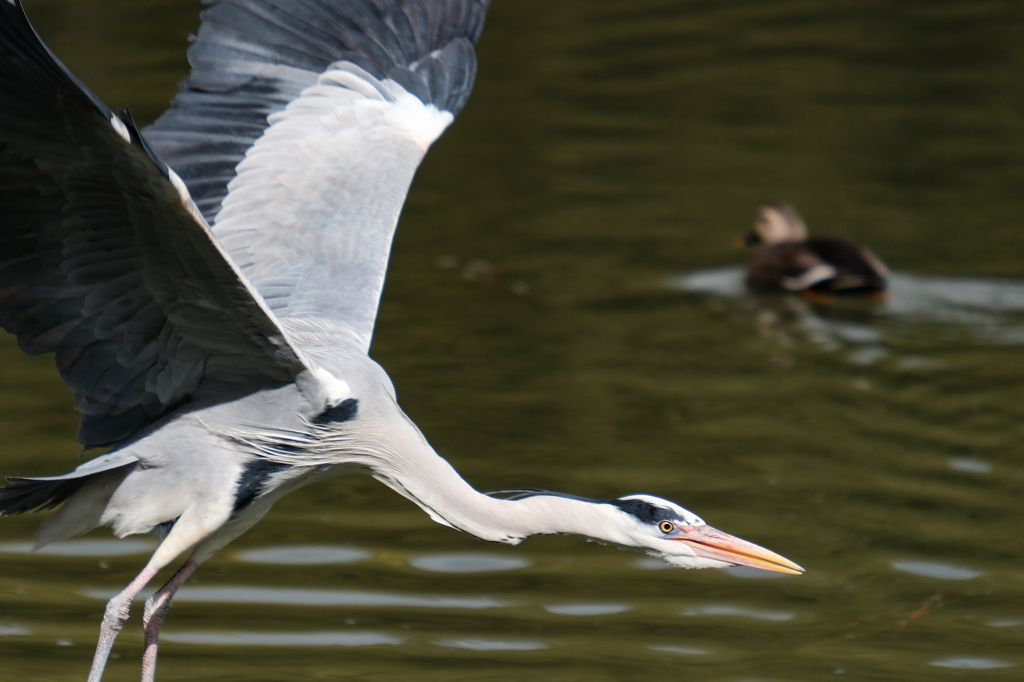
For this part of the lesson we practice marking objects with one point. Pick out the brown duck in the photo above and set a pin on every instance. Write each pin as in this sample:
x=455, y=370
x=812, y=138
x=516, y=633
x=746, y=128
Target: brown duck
x=789, y=261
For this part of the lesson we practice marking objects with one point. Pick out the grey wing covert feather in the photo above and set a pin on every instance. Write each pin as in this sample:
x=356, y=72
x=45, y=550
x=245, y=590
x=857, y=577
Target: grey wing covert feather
x=298, y=136
x=252, y=57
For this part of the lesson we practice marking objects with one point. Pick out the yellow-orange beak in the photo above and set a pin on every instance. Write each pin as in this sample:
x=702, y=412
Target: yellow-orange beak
x=711, y=543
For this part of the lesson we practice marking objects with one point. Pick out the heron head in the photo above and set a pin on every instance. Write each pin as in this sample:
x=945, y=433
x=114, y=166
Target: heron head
x=681, y=538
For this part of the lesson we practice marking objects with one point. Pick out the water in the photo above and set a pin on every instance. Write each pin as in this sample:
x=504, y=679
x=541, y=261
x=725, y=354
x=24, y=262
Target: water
x=533, y=332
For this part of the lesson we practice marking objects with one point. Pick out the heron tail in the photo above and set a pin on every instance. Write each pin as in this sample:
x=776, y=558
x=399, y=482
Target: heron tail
x=40, y=493
x=28, y=494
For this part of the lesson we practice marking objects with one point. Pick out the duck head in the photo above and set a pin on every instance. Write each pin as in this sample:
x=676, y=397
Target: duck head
x=776, y=224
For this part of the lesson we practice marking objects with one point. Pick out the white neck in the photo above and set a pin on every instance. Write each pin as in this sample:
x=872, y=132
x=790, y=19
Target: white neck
x=421, y=475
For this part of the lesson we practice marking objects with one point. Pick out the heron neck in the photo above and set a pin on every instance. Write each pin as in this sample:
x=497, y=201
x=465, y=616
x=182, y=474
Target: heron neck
x=435, y=486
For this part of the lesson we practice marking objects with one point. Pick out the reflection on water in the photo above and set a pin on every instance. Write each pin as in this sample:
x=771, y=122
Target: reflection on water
x=8, y=630
x=937, y=570
x=337, y=638
x=971, y=663
x=586, y=609
x=1004, y=622
x=304, y=555
x=467, y=563
x=681, y=650
x=301, y=597
x=83, y=548
x=475, y=644
x=739, y=612
x=726, y=282
x=970, y=465
x=989, y=310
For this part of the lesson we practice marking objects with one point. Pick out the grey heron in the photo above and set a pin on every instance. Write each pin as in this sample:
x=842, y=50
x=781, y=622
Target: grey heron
x=209, y=286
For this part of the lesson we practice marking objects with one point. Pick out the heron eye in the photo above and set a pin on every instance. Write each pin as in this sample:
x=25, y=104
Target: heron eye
x=666, y=526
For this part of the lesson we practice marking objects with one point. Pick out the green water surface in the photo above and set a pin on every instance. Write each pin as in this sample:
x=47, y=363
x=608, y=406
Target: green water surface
x=531, y=332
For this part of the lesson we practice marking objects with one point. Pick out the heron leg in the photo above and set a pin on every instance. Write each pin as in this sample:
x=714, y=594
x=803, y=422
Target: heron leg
x=113, y=620
x=155, y=613
x=185, y=533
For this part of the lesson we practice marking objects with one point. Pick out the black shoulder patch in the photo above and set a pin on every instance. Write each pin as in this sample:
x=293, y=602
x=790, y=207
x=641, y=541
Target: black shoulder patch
x=162, y=530
x=344, y=411
x=516, y=493
x=645, y=511
x=523, y=493
x=250, y=483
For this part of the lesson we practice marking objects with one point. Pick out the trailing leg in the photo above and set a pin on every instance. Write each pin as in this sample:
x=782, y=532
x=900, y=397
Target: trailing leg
x=155, y=613
x=190, y=529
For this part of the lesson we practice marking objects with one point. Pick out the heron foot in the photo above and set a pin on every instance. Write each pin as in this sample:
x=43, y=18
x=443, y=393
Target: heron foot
x=114, y=618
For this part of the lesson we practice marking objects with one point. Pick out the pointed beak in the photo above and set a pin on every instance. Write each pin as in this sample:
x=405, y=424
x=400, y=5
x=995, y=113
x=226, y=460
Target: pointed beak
x=744, y=241
x=710, y=543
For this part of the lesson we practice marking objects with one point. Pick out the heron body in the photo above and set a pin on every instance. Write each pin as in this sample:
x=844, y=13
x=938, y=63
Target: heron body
x=789, y=261
x=209, y=286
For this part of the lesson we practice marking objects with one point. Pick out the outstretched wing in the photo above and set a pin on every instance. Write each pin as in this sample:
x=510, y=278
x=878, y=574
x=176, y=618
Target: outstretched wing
x=299, y=131
x=105, y=260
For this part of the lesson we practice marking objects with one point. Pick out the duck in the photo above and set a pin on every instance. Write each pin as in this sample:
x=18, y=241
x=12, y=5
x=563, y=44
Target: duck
x=789, y=261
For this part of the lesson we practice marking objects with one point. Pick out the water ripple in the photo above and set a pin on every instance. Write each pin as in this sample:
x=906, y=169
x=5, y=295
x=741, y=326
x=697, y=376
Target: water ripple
x=1004, y=622
x=11, y=630
x=467, y=563
x=306, y=597
x=304, y=555
x=971, y=663
x=970, y=465
x=989, y=308
x=584, y=609
x=330, y=638
x=938, y=570
x=479, y=644
x=740, y=612
x=680, y=650
x=82, y=548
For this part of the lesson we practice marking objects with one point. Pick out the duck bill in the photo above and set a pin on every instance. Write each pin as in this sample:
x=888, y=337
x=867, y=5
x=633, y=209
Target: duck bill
x=746, y=240
x=711, y=543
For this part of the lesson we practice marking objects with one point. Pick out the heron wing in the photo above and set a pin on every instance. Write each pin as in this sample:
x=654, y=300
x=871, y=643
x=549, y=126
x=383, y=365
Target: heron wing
x=299, y=131
x=106, y=262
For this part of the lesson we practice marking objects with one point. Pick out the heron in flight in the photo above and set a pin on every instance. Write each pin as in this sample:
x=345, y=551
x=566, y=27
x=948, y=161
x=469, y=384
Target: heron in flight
x=209, y=285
